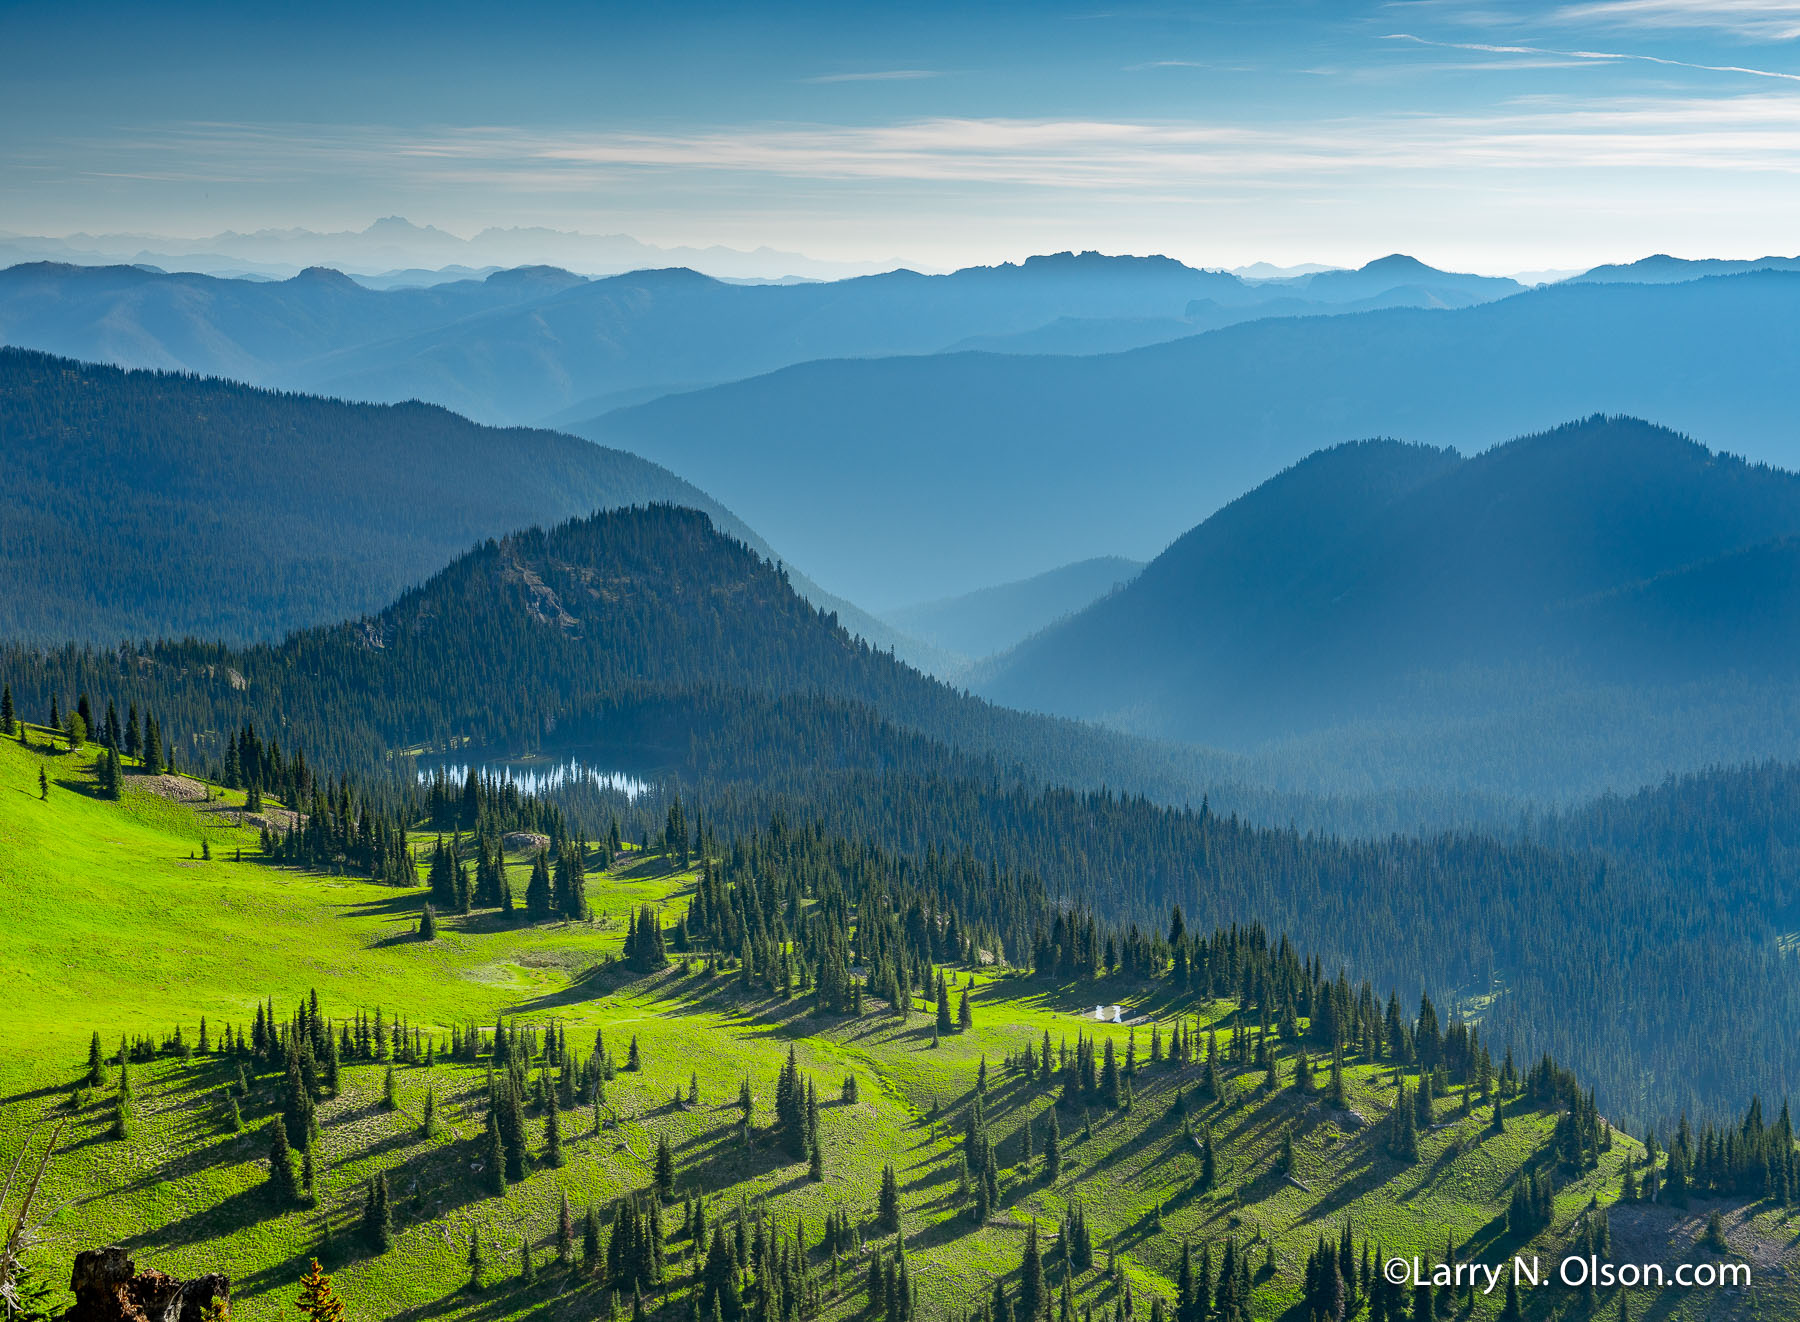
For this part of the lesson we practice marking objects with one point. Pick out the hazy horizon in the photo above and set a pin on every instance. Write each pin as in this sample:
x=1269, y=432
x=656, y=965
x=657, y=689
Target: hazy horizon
x=528, y=245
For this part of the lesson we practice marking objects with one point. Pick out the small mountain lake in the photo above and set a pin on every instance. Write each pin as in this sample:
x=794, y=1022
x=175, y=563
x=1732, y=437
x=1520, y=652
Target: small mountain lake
x=545, y=775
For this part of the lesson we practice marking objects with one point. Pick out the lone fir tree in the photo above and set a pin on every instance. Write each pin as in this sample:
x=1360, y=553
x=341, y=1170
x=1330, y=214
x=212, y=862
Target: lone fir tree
x=317, y=1301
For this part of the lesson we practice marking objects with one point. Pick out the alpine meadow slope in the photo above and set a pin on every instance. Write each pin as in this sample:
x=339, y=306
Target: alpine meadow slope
x=515, y=1092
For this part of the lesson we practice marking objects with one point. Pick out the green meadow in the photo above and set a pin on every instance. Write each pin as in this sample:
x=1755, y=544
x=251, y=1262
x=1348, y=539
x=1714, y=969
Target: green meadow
x=116, y=923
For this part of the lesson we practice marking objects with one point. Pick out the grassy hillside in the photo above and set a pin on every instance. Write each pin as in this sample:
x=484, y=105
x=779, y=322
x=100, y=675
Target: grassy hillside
x=116, y=926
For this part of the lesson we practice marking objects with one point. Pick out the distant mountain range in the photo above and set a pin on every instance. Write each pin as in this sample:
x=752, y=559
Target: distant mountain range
x=990, y=466
x=990, y=620
x=1397, y=271
x=395, y=244
x=1379, y=583
x=1663, y=269
x=534, y=343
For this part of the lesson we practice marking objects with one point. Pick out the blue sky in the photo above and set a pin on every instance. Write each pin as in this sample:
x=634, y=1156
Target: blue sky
x=1484, y=136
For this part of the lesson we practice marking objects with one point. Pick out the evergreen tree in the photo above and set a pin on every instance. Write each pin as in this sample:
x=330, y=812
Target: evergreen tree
x=282, y=1184
x=887, y=1215
x=475, y=1262
x=1034, y=1297
x=493, y=1166
x=110, y=773
x=153, y=749
x=553, y=1149
x=571, y=883
x=590, y=1241
x=317, y=1301
x=377, y=1218
x=565, y=1235
x=1052, y=1146
x=538, y=906
x=665, y=1168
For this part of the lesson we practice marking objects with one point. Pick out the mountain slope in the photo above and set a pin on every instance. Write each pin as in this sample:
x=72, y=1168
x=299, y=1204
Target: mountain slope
x=142, y=504
x=993, y=619
x=1603, y=552
x=992, y=466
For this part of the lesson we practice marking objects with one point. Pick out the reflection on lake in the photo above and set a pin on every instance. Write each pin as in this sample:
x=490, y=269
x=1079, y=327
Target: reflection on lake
x=544, y=777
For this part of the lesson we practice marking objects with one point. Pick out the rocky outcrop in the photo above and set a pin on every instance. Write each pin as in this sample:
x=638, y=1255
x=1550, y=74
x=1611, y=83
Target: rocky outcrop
x=109, y=1288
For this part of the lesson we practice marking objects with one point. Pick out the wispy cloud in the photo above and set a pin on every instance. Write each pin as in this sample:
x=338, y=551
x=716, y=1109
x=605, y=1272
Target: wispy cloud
x=1122, y=160
x=1756, y=20
x=876, y=76
x=1594, y=56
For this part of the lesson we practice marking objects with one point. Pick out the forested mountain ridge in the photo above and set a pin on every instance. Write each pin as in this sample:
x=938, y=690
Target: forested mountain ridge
x=1010, y=463
x=148, y=504
x=523, y=637
x=1603, y=554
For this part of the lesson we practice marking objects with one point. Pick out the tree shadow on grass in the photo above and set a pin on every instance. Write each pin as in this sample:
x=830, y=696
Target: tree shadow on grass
x=37, y=1094
x=555, y=1295
x=728, y=1163
x=436, y=1175
x=402, y=901
x=591, y=984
